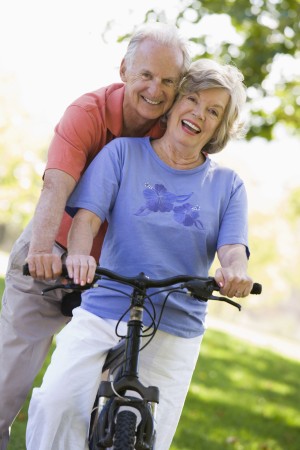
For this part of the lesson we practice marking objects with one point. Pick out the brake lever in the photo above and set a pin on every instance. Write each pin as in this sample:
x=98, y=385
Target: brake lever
x=216, y=298
x=227, y=300
x=204, y=292
x=72, y=286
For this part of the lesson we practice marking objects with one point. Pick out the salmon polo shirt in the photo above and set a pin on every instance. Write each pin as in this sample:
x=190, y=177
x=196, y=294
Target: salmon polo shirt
x=90, y=122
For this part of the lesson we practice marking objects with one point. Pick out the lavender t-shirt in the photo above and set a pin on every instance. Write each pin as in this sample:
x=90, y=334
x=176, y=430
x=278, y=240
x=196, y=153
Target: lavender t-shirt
x=162, y=221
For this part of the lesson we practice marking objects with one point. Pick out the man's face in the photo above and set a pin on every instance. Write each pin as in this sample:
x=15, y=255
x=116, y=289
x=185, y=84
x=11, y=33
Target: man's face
x=151, y=80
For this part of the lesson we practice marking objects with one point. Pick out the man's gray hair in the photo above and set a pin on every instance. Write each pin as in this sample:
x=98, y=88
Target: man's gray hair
x=162, y=33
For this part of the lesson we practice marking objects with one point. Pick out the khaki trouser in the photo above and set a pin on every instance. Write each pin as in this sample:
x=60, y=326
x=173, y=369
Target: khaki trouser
x=28, y=322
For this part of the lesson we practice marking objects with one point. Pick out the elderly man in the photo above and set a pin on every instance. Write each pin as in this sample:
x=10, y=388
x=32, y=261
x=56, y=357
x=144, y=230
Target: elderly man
x=156, y=59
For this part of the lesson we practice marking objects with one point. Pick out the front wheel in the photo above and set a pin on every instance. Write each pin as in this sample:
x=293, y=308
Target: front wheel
x=124, y=438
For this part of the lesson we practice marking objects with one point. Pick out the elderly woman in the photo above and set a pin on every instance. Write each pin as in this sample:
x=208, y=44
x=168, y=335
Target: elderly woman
x=170, y=210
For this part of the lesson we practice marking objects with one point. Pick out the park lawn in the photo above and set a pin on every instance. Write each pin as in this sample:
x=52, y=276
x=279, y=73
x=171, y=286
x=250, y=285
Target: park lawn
x=241, y=398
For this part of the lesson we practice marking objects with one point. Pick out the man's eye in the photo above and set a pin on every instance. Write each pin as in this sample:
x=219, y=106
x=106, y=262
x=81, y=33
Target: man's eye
x=145, y=76
x=170, y=82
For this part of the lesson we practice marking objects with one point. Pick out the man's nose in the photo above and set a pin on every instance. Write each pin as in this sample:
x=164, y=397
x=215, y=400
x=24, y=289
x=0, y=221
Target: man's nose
x=155, y=87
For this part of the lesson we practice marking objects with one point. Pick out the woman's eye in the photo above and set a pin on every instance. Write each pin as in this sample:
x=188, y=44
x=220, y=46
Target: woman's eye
x=214, y=112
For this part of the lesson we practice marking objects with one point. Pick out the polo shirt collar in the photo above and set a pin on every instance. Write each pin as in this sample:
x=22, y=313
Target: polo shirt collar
x=115, y=113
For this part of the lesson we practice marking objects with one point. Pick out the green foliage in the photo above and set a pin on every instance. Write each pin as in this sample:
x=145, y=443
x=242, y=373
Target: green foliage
x=21, y=162
x=21, y=184
x=293, y=206
x=268, y=35
x=264, y=250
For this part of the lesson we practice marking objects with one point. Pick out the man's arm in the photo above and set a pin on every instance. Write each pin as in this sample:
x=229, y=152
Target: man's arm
x=43, y=264
x=232, y=275
x=81, y=266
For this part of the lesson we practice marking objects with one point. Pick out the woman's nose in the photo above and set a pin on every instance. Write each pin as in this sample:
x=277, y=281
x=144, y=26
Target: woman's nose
x=199, y=113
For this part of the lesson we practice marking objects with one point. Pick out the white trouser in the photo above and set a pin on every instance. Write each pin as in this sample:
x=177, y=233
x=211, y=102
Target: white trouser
x=27, y=323
x=59, y=411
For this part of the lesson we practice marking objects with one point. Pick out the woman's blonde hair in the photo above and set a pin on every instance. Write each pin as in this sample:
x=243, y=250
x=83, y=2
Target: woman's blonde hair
x=206, y=74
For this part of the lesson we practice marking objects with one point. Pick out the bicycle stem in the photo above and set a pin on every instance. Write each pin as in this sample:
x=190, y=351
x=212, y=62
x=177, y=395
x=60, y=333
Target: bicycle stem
x=134, y=333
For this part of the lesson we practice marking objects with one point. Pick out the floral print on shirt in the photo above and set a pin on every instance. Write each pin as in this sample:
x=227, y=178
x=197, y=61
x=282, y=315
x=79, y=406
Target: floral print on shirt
x=159, y=199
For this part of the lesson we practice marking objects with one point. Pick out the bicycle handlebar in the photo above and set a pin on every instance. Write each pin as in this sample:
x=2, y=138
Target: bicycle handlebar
x=198, y=286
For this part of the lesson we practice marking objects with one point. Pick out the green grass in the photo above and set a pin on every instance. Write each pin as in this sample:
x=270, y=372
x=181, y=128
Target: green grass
x=17, y=439
x=241, y=398
x=1, y=286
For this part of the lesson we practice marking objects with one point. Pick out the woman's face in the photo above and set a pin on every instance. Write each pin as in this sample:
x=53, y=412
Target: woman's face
x=194, y=118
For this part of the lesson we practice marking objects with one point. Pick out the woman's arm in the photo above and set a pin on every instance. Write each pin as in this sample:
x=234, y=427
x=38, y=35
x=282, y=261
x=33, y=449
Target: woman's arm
x=81, y=266
x=232, y=276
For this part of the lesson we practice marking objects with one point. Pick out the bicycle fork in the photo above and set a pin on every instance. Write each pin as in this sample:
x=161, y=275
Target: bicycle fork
x=113, y=394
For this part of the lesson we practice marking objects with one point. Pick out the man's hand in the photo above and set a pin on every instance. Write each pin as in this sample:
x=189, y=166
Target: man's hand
x=44, y=266
x=81, y=268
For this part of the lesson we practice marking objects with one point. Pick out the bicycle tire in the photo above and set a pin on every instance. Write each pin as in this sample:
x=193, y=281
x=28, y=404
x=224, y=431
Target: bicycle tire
x=125, y=431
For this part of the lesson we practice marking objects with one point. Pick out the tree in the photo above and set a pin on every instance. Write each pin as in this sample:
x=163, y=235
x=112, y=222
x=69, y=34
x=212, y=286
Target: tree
x=21, y=165
x=266, y=49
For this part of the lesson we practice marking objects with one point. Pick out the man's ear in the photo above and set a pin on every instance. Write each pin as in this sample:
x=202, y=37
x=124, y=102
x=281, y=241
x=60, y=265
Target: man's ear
x=123, y=71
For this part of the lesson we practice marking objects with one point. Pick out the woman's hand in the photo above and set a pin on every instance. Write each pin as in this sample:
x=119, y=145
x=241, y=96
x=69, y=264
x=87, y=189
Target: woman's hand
x=233, y=283
x=81, y=268
x=232, y=276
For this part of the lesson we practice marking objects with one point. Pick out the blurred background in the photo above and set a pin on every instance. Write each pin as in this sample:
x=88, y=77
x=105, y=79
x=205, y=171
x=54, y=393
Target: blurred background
x=51, y=52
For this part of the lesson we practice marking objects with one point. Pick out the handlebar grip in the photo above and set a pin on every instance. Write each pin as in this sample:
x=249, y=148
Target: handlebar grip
x=256, y=289
x=26, y=269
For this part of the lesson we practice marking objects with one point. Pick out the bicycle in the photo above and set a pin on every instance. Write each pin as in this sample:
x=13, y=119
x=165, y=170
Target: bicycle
x=112, y=426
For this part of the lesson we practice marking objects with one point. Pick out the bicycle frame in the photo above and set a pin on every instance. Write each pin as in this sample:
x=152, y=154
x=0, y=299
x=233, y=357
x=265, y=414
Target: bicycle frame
x=115, y=392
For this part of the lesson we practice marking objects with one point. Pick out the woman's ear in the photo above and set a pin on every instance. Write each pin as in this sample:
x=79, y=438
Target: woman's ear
x=123, y=71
